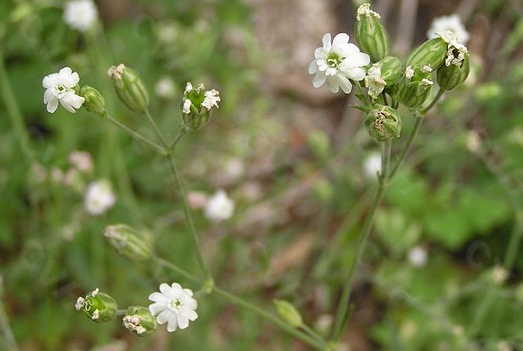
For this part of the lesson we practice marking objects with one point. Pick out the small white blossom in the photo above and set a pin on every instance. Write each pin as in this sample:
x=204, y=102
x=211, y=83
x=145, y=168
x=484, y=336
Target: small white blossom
x=452, y=23
x=456, y=51
x=374, y=81
x=60, y=88
x=81, y=160
x=188, y=88
x=99, y=197
x=80, y=14
x=426, y=69
x=219, y=207
x=409, y=72
x=80, y=302
x=364, y=10
x=336, y=62
x=173, y=305
x=96, y=315
x=426, y=81
x=418, y=256
x=372, y=165
x=165, y=88
x=132, y=323
x=187, y=106
x=212, y=97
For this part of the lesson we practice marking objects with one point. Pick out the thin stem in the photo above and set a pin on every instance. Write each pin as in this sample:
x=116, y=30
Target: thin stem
x=176, y=140
x=121, y=312
x=408, y=145
x=6, y=329
x=342, y=317
x=188, y=218
x=313, y=333
x=177, y=269
x=433, y=103
x=385, y=161
x=14, y=113
x=136, y=136
x=155, y=128
x=514, y=242
x=367, y=100
x=263, y=313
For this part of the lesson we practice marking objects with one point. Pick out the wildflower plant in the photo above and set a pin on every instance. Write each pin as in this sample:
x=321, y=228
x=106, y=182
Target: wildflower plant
x=390, y=89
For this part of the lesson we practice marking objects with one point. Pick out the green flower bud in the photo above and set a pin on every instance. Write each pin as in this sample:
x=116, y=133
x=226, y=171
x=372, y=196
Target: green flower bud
x=383, y=123
x=129, y=87
x=288, y=313
x=391, y=69
x=129, y=242
x=196, y=106
x=370, y=33
x=431, y=53
x=98, y=306
x=94, y=101
x=451, y=76
x=139, y=321
x=414, y=87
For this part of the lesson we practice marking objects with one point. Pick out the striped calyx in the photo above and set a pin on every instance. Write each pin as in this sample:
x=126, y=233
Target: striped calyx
x=431, y=53
x=129, y=87
x=451, y=76
x=129, y=242
x=370, y=33
x=383, y=123
x=414, y=87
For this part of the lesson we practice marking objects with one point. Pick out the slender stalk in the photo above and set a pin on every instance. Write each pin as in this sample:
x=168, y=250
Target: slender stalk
x=136, y=136
x=514, y=242
x=155, y=128
x=13, y=112
x=121, y=312
x=313, y=333
x=188, y=218
x=176, y=140
x=263, y=313
x=317, y=341
x=438, y=96
x=6, y=329
x=367, y=100
x=342, y=317
x=408, y=145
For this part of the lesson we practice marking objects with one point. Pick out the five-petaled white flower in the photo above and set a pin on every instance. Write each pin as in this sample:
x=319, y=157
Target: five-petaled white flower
x=60, y=88
x=80, y=14
x=452, y=23
x=337, y=62
x=99, y=197
x=219, y=207
x=173, y=305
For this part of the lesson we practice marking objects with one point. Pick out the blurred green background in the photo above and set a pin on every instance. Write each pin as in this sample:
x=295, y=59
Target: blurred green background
x=293, y=159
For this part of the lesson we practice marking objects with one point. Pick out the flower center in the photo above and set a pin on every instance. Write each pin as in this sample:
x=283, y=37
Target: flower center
x=334, y=60
x=175, y=305
x=60, y=90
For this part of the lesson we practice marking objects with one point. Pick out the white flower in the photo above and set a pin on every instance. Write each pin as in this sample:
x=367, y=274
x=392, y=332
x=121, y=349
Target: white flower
x=374, y=81
x=364, y=10
x=409, y=72
x=173, y=305
x=82, y=160
x=165, y=88
x=452, y=23
x=418, y=256
x=99, y=197
x=60, y=88
x=188, y=88
x=187, y=106
x=219, y=207
x=212, y=97
x=80, y=14
x=372, y=165
x=337, y=62
x=456, y=51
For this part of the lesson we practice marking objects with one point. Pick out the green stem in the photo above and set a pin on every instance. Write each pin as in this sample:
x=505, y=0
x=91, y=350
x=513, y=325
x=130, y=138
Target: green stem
x=514, y=242
x=481, y=313
x=188, y=218
x=155, y=128
x=433, y=103
x=268, y=316
x=313, y=333
x=136, y=136
x=6, y=329
x=408, y=145
x=320, y=344
x=367, y=100
x=342, y=317
x=176, y=140
x=14, y=113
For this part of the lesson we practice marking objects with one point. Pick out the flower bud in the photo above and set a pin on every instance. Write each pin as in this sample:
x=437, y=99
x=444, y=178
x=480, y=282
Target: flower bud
x=196, y=106
x=383, y=123
x=431, y=53
x=451, y=76
x=414, y=87
x=129, y=87
x=139, y=321
x=391, y=69
x=288, y=313
x=98, y=306
x=94, y=101
x=129, y=242
x=370, y=33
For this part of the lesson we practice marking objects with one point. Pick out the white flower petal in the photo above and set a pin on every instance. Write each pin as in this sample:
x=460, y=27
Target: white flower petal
x=48, y=95
x=157, y=297
x=183, y=321
x=340, y=40
x=156, y=308
x=313, y=67
x=165, y=288
x=191, y=315
x=344, y=84
x=164, y=316
x=332, y=82
x=326, y=40
x=355, y=73
x=52, y=104
x=319, y=79
x=173, y=323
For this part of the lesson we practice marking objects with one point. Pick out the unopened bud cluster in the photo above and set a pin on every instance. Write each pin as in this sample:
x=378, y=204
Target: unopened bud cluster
x=443, y=59
x=97, y=306
x=139, y=321
x=197, y=104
